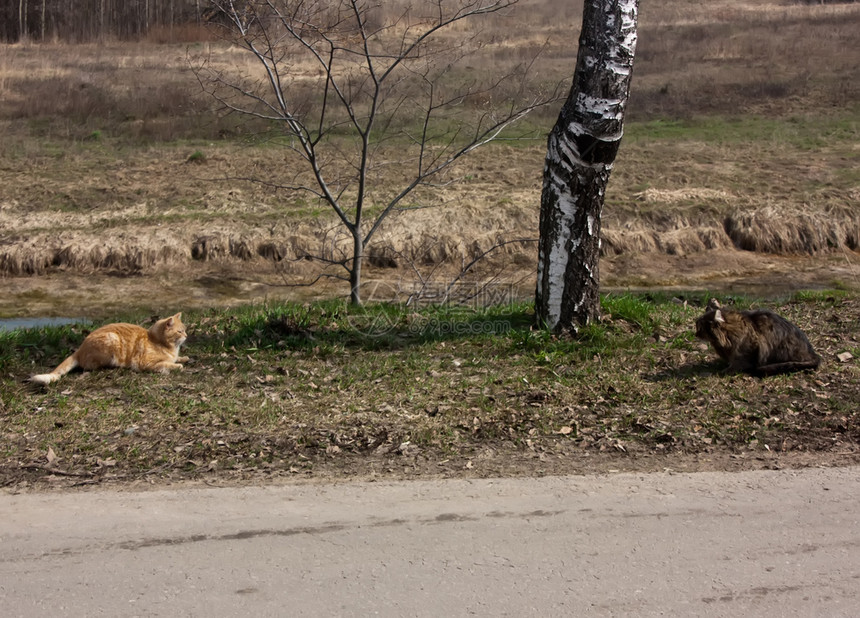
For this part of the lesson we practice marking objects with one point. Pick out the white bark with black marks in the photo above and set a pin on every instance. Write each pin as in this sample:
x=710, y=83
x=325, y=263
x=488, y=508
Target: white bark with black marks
x=581, y=149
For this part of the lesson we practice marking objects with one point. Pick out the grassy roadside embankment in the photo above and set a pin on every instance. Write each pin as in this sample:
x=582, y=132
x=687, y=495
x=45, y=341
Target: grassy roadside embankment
x=325, y=391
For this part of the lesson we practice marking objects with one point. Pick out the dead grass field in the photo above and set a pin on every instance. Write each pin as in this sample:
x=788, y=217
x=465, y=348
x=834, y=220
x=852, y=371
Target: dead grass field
x=739, y=167
x=739, y=170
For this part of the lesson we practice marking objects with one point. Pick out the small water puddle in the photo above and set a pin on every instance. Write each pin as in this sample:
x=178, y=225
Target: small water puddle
x=8, y=324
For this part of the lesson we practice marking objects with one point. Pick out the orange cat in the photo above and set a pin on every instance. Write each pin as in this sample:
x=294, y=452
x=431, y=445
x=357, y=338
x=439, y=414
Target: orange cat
x=126, y=345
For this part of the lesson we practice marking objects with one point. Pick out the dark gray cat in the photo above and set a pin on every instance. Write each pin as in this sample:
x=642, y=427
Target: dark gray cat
x=758, y=342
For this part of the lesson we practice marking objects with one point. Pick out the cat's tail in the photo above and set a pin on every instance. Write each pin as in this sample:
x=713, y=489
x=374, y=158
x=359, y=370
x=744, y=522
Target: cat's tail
x=777, y=368
x=62, y=369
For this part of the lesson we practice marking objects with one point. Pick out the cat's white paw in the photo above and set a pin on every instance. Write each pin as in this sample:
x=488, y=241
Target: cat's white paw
x=44, y=378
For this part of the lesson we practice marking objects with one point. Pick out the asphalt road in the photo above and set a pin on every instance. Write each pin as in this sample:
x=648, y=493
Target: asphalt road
x=784, y=543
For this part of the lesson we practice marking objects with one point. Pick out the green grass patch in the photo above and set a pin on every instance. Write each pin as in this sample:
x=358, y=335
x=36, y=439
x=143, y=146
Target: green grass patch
x=803, y=132
x=322, y=386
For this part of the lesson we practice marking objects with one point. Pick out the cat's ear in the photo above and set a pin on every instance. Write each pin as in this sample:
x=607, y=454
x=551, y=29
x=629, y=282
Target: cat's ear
x=178, y=316
x=718, y=317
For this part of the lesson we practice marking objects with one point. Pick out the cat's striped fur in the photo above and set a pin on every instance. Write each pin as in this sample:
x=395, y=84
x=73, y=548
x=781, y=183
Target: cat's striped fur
x=126, y=345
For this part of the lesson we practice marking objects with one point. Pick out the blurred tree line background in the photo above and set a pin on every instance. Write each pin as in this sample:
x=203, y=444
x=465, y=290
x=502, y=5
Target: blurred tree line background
x=80, y=21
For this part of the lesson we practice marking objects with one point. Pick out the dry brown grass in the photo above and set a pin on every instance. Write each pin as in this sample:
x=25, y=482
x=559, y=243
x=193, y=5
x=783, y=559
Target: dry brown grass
x=138, y=91
x=776, y=230
x=97, y=138
x=731, y=57
x=145, y=211
x=723, y=57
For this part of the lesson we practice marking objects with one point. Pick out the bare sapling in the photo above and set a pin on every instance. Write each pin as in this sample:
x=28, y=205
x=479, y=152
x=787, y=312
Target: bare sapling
x=373, y=102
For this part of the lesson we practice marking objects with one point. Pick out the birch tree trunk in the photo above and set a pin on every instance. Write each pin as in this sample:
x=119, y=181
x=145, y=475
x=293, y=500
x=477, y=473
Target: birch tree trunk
x=580, y=151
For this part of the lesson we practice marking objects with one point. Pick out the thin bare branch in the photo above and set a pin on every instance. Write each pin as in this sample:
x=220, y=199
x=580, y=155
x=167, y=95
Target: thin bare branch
x=378, y=75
